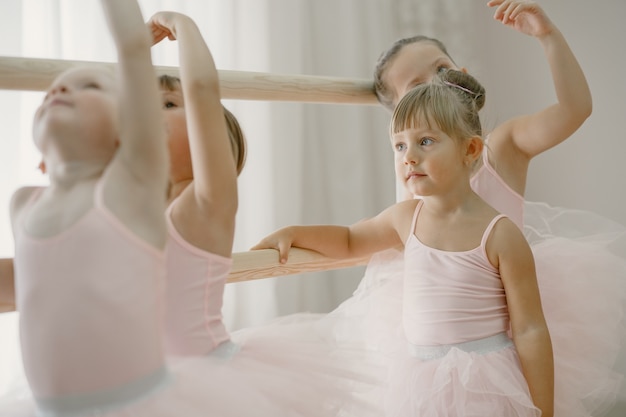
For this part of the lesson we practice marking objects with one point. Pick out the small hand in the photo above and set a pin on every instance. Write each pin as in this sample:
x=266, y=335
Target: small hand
x=526, y=17
x=280, y=240
x=163, y=25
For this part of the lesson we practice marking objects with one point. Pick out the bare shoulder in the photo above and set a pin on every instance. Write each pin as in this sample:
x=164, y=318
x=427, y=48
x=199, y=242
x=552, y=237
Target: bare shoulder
x=507, y=242
x=400, y=216
x=401, y=211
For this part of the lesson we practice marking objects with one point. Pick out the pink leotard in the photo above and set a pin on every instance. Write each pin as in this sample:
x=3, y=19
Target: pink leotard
x=490, y=187
x=195, y=288
x=451, y=297
x=89, y=313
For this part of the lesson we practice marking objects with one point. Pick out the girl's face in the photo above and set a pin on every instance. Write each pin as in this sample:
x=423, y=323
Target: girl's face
x=81, y=103
x=416, y=63
x=177, y=136
x=428, y=161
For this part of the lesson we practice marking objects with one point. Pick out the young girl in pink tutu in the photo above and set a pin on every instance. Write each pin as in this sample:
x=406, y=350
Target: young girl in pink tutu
x=92, y=330
x=469, y=273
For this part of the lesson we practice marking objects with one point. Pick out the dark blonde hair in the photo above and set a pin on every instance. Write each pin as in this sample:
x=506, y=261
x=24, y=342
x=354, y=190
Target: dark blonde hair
x=451, y=102
x=380, y=89
x=235, y=133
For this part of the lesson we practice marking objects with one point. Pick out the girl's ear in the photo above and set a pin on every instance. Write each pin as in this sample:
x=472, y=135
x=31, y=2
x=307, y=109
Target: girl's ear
x=473, y=149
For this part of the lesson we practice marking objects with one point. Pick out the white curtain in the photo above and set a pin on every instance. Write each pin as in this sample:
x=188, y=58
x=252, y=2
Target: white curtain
x=308, y=163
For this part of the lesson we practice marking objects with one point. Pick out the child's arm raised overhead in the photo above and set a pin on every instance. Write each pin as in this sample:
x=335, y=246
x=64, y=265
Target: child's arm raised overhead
x=137, y=177
x=210, y=204
x=533, y=134
x=140, y=110
x=386, y=230
x=508, y=250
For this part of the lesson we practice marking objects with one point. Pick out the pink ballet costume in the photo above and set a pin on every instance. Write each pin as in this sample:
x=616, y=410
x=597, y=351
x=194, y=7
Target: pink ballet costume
x=458, y=359
x=91, y=330
x=580, y=259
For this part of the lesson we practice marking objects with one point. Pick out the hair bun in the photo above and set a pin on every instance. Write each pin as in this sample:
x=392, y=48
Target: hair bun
x=464, y=83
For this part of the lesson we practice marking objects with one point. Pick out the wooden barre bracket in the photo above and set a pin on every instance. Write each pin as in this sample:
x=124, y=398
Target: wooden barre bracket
x=36, y=74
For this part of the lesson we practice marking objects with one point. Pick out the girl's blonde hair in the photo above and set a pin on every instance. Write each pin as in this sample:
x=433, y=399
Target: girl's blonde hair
x=451, y=102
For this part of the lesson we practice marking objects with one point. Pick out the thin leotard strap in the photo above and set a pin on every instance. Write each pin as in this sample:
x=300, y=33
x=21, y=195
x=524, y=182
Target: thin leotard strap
x=490, y=226
x=415, y=213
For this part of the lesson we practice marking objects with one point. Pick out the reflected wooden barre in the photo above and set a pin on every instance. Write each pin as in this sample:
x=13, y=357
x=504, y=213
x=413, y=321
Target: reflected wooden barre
x=264, y=263
x=36, y=74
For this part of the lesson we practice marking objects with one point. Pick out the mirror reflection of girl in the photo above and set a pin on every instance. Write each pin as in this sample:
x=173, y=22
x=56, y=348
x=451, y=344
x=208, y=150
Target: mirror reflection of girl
x=206, y=373
x=270, y=375
x=90, y=258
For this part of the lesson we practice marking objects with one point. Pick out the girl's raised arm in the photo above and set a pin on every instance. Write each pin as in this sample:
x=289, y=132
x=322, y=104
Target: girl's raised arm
x=205, y=213
x=538, y=132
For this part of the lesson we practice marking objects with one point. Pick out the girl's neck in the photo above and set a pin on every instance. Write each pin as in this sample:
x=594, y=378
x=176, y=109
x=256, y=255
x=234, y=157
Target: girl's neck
x=68, y=174
x=452, y=203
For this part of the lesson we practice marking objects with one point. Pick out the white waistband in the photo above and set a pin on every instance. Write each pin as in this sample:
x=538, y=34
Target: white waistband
x=480, y=346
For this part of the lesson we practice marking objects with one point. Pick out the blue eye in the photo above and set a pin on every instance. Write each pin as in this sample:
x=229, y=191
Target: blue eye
x=426, y=141
x=399, y=146
x=169, y=105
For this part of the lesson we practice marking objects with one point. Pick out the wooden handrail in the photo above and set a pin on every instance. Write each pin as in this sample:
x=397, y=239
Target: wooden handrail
x=36, y=74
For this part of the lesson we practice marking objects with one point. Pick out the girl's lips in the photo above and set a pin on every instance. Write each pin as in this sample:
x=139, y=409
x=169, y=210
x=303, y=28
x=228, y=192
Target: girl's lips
x=414, y=174
x=58, y=102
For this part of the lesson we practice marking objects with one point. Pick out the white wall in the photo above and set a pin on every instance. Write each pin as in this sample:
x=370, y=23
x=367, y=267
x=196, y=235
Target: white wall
x=588, y=170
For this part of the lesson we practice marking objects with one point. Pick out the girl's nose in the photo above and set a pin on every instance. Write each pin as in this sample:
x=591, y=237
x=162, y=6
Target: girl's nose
x=61, y=89
x=56, y=90
x=410, y=158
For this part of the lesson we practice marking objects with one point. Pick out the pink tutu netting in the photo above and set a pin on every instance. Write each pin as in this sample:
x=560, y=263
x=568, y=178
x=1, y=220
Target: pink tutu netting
x=259, y=376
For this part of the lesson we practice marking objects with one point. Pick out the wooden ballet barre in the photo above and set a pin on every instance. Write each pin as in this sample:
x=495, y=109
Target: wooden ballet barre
x=36, y=74
x=264, y=263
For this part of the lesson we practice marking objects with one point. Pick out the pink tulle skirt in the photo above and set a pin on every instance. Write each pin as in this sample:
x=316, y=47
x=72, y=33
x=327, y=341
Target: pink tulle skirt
x=260, y=375
x=459, y=383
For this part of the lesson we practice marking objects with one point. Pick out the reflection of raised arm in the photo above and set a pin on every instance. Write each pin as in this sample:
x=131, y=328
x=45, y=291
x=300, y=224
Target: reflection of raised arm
x=205, y=212
x=7, y=286
x=535, y=133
